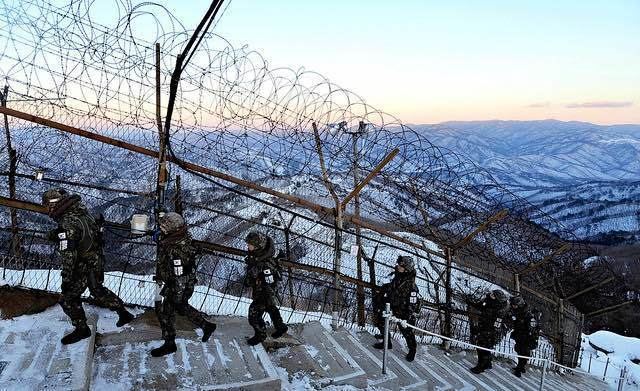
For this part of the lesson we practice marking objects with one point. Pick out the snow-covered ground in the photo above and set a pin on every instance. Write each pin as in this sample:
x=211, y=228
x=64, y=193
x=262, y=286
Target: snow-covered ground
x=621, y=353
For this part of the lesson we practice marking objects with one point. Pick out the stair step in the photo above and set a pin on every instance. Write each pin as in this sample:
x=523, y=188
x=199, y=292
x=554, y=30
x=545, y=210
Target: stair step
x=320, y=357
x=37, y=359
x=224, y=362
x=366, y=359
x=406, y=375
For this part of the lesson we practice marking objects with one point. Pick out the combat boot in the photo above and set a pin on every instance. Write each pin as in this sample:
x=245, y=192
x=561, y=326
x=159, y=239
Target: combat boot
x=256, y=339
x=478, y=369
x=207, y=330
x=124, y=317
x=168, y=347
x=280, y=331
x=411, y=355
x=78, y=334
x=380, y=345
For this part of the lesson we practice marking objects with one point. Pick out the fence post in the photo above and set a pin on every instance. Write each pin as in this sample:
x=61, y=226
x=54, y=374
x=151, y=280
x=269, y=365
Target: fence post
x=590, y=357
x=606, y=366
x=15, y=248
x=545, y=363
x=623, y=376
x=560, y=333
x=448, y=298
x=386, y=314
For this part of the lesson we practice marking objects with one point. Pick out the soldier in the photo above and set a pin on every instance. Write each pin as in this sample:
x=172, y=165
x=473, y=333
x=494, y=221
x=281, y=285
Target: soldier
x=485, y=324
x=403, y=295
x=262, y=276
x=525, y=331
x=80, y=247
x=176, y=273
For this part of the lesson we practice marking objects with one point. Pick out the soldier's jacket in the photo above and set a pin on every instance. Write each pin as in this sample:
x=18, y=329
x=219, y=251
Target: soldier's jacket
x=176, y=266
x=402, y=294
x=77, y=237
x=261, y=264
x=524, y=326
x=486, y=320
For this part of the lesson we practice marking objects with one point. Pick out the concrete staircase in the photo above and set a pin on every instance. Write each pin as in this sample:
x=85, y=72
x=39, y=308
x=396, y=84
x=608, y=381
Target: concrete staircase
x=311, y=356
x=32, y=357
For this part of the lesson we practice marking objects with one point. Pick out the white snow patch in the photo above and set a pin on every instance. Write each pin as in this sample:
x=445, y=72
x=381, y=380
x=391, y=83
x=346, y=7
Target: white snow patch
x=623, y=351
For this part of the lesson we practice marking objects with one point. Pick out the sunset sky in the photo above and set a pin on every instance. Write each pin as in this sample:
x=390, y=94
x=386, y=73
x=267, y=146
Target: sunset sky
x=432, y=61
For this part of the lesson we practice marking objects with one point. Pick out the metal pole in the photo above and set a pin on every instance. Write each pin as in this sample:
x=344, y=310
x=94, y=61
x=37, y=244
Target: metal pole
x=605, y=369
x=590, y=357
x=623, y=373
x=545, y=363
x=448, y=298
x=386, y=314
x=336, y=268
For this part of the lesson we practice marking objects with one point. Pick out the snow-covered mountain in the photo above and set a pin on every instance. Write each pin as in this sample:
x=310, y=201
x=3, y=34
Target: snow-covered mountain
x=585, y=175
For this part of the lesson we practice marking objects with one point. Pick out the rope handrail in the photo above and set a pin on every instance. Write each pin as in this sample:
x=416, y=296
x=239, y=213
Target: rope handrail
x=404, y=323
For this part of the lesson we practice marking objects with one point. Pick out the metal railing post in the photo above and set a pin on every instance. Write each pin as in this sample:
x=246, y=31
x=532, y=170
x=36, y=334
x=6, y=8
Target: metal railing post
x=545, y=363
x=604, y=375
x=590, y=358
x=386, y=314
x=623, y=376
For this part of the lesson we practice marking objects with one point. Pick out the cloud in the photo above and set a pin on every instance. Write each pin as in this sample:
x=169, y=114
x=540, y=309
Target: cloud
x=598, y=105
x=539, y=105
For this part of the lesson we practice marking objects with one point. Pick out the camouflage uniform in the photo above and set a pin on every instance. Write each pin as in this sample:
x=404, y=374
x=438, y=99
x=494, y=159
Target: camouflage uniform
x=80, y=247
x=176, y=270
x=403, y=296
x=524, y=334
x=262, y=275
x=485, y=325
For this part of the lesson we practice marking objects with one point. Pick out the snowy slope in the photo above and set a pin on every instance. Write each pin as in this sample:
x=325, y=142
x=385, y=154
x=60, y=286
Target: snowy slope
x=585, y=175
x=622, y=352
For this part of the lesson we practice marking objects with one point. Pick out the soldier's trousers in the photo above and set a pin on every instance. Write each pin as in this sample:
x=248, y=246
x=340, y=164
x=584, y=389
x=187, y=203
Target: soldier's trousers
x=484, y=358
x=407, y=332
x=75, y=280
x=264, y=300
x=522, y=351
x=176, y=300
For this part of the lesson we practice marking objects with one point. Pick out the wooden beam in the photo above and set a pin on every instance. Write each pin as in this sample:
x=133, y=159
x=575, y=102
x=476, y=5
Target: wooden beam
x=154, y=154
x=546, y=259
x=483, y=227
x=582, y=292
x=603, y=311
x=24, y=205
x=369, y=177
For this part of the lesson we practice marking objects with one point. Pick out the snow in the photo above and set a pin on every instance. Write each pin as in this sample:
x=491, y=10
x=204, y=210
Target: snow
x=623, y=350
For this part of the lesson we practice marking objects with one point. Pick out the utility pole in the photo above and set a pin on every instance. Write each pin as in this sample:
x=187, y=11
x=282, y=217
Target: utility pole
x=338, y=210
x=162, y=150
x=356, y=204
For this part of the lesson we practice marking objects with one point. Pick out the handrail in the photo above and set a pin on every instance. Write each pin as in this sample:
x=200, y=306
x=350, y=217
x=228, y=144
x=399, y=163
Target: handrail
x=546, y=362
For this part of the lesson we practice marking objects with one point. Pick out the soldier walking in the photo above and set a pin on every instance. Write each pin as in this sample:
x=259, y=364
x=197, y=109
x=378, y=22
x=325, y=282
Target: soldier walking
x=79, y=243
x=403, y=295
x=176, y=274
x=485, y=322
x=262, y=276
x=525, y=332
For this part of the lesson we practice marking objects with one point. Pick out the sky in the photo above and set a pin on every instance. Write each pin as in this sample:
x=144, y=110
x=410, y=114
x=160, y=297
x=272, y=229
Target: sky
x=428, y=61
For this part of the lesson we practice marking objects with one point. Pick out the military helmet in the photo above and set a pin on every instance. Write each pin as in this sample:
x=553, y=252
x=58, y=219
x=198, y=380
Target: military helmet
x=170, y=222
x=517, y=301
x=53, y=195
x=406, y=262
x=499, y=295
x=256, y=239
